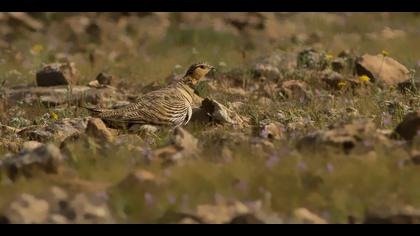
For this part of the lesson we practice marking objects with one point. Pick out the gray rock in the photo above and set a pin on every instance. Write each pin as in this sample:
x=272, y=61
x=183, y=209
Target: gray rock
x=409, y=127
x=56, y=74
x=382, y=69
x=56, y=131
x=312, y=59
x=46, y=158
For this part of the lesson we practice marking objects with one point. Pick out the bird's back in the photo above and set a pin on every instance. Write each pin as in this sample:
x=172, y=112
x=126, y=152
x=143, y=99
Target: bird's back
x=170, y=106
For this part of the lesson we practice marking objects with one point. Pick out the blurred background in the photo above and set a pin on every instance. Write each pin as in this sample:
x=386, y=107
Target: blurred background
x=147, y=46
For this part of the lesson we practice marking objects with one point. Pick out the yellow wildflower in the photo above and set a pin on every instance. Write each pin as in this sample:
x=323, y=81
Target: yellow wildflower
x=53, y=115
x=37, y=49
x=364, y=78
x=341, y=84
x=385, y=53
x=329, y=57
x=391, y=88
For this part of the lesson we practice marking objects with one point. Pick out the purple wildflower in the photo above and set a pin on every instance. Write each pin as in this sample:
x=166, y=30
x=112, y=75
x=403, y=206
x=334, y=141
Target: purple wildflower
x=301, y=165
x=401, y=164
x=102, y=195
x=218, y=198
x=302, y=99
x=272, y=161
x=387, y=121
x=367, y=143
x=148, y=198
x=242, y=186
x=167, y=172
x=330, y=167
x=264, y=133
x=148, y=154
x=171, y=199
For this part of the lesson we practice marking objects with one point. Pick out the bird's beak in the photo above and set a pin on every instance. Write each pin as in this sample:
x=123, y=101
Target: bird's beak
x=212, y=68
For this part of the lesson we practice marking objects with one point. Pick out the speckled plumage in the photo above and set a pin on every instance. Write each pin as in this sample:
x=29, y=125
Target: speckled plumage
x=169, y=106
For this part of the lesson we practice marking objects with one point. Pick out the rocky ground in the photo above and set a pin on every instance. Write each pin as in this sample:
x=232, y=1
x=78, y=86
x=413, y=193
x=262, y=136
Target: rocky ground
x=309, y=118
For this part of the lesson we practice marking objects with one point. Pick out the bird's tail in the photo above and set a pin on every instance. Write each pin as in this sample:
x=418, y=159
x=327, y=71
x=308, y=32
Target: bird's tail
x=93, y=110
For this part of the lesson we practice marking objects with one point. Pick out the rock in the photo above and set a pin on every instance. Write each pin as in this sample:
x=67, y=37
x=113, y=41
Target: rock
x=171, y=217
x=405, y=215
x=311, y=59
x=199, y=116
x=97, y=129
x=182, y=144
x=336, y=81
x=415, y=157
x=102, y=81
x=90, y=209
x=339, y=64
x=95, y=84
x=130, y=141
x=184, y=141
x=268, y=71
x=46, y=158
x=409, y=85
x=295, y=89
x=304, y=216
x=240, y=92
x=221, y=213
x=246, y=219
x=270, y=130
x=56, y=74
x=271, y=66
x=220, y=113
x=27, y=209
x=105, y=79
x=57, y=95
x=56, y=131
x=144, y=179
x=7, y=130
x=265, y=102
x=409, y=127
x=346, y=137
x=144, y=130
x=382, y=69
x=31, y=145
x=27, y=20
x=58, y=206
x=10, y=145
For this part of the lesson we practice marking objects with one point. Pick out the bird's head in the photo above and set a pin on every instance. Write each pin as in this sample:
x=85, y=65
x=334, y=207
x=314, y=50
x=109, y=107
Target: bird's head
x=196, y=72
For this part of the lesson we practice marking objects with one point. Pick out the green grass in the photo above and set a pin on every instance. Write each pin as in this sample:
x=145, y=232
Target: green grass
x=329, y=183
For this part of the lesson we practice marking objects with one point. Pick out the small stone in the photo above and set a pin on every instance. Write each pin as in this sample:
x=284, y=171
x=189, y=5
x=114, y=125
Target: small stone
x=339, y=64
x=307, y=217
x=105, y=79
x=46, y=158
x=295, y=89
x=143, y=130
x=31, y=145
x=271, y=130
x=97, y=129
x=409, y=127
x=311, y=59
x=144, y=179
x=184, y=141
x=56, y=131
x=56, y=74
x=27, y=209
x=220, y=113
x=382, y=68
x=246, y=219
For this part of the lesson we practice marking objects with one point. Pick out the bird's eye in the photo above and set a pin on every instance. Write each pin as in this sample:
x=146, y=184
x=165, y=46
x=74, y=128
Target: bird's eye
x=202, y=67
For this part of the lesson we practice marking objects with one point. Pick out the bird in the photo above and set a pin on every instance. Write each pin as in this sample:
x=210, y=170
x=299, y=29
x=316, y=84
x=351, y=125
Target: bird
x=170, y=106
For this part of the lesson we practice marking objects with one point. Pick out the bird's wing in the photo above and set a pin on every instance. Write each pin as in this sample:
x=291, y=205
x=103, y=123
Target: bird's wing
x=161, y=107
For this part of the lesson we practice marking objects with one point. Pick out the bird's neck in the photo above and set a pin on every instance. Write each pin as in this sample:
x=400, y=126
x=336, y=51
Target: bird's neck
x=188, y=90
